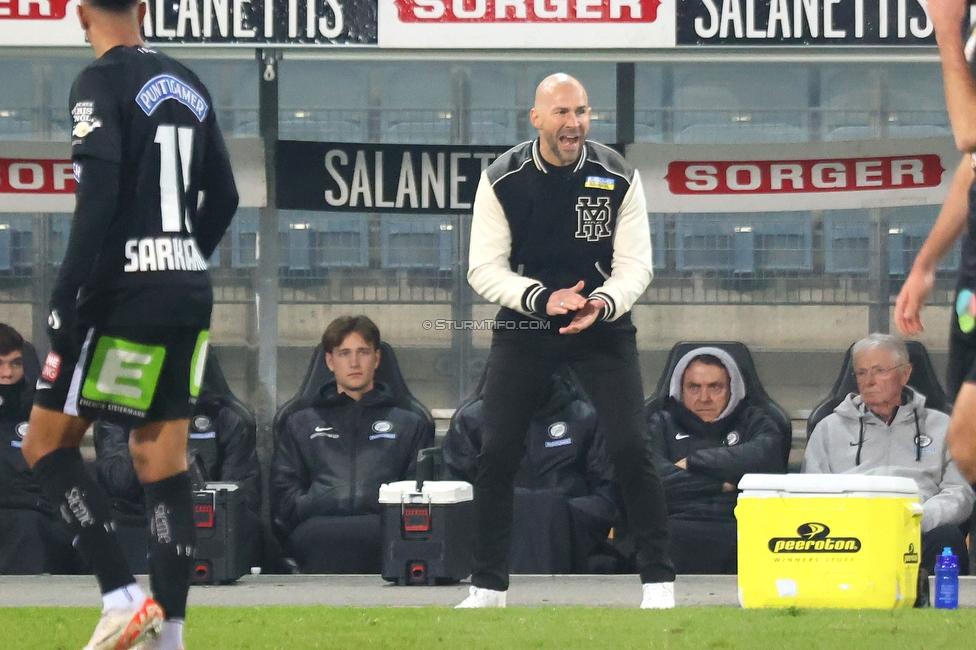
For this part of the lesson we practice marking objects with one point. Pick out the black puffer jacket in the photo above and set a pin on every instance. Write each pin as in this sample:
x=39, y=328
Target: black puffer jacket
x=18, y=489
x=332, y=453
x=564, y=453
x=745, y=441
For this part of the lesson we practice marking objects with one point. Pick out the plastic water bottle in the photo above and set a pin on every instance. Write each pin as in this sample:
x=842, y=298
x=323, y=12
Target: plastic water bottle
x=947, y=580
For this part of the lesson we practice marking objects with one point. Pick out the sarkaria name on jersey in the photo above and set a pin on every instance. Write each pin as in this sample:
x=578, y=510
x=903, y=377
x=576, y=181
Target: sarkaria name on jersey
x=165, y=86
x=163, y=254
x=83, y=114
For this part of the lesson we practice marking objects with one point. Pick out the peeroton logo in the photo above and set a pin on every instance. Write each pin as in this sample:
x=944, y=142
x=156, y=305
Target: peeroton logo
x=814, y=538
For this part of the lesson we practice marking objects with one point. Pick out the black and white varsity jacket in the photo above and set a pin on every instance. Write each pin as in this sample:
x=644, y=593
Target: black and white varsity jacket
x=538, y=228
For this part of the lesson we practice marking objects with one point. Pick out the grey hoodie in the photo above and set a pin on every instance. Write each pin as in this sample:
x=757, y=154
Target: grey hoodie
x=737, y=387
x=891, y=450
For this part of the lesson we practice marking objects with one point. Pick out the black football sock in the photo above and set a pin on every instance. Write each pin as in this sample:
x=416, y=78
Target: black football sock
x=82, y=503
x=172, y=535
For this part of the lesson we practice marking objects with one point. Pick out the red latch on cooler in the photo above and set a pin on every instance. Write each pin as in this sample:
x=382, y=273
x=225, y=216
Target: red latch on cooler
x=203, y=516
x=416, y=519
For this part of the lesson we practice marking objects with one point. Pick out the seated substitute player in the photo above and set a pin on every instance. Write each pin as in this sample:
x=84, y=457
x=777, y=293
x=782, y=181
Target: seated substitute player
x=335, y=449
x=130, y=312
x=886, y=430
x=33, y=539
x=223, y=446
x=704, y=439
x=565, y=502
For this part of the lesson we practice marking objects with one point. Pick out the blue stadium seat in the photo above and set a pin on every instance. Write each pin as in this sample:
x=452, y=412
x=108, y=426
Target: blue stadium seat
x=784, y=241
x=244, y=239
x=847, y=232
x=6, y=257
x=744, y=243
x=658, y=239
x=296, y=251
x=703, y=242
x=341, y=241
x=417, y=242
x=846, y=241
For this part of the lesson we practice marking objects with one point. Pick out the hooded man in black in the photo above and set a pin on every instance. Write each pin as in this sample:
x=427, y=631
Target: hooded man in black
x=704, y=439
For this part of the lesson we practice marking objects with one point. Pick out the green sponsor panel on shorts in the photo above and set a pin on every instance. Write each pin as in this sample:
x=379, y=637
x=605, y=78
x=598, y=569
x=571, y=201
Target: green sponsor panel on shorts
x=199, y=362
x=123, y=372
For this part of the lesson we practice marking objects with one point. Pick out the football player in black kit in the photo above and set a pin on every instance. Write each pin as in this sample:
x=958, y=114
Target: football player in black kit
x=130, y=312
x=560, y=239
x=957, y=45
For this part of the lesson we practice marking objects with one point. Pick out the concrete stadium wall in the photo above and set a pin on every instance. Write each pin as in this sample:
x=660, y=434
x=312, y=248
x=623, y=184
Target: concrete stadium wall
x=798, y=349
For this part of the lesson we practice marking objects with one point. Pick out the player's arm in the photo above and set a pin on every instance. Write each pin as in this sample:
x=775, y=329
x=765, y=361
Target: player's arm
x=948, y=17
x=948, y=227
x=220, y=196
x=96, y=198
x=96, y=154
x=631, y=266
x=489, y=270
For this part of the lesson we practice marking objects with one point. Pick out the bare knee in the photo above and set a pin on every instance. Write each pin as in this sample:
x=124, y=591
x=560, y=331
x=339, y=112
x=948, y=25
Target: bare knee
x=159, y=449
x=48, y=431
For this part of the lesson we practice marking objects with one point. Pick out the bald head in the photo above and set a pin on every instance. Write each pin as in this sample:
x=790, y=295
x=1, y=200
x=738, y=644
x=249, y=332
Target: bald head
x=548, y=86
x=562, y=116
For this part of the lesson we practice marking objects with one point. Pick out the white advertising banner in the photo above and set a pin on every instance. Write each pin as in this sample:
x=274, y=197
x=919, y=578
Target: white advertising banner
x=239, y=23
x=37, y=176
x=548, y=24
x=807, y=176
x=40, y=22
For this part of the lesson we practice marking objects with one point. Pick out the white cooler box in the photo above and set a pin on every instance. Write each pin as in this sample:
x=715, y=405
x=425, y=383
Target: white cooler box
x=427, y=535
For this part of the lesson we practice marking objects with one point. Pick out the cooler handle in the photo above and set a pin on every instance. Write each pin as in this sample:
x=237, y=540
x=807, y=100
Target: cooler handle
x=914, y=509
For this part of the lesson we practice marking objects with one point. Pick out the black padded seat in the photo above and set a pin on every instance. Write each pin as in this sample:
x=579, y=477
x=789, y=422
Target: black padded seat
x=756, y=394
x=923, y=379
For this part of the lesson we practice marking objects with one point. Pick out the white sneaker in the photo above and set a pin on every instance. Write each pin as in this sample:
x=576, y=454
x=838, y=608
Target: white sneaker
x=123, y=629
x=478, y=597
x=658, y=595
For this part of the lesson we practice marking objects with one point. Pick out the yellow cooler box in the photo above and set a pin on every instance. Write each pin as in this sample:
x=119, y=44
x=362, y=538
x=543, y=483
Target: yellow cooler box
x=822, y=540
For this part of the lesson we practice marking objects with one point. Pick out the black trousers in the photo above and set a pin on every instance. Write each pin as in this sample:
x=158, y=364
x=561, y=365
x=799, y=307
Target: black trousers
x=32, y=542
x=703, y=547
x=520, y=365
x=338, y=544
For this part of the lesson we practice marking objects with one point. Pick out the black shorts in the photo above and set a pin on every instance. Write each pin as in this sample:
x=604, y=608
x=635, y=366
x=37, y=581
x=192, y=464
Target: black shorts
x=127, y=375
x=962, y=341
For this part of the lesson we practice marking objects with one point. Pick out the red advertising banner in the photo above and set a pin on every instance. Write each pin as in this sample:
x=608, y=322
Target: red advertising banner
x=877, y=173
x=33, y=10
x=726, y=178
x=527, y=11
x=549, y=24
x=33, y=176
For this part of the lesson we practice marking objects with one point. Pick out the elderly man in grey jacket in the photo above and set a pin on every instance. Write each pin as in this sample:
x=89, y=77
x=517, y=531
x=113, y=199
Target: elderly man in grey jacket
x=886, y=430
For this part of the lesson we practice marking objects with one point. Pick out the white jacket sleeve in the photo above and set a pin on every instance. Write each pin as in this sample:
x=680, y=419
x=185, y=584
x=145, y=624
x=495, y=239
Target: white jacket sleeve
x=489, y=269
x=631, y=266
